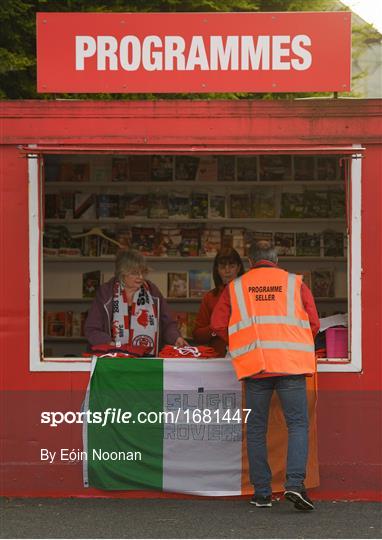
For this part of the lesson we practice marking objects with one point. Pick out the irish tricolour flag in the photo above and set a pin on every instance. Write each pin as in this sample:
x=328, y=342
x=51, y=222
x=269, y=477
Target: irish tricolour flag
x=176, y=425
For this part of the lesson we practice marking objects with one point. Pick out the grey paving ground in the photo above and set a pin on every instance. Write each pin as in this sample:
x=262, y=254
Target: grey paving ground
x=124, y=518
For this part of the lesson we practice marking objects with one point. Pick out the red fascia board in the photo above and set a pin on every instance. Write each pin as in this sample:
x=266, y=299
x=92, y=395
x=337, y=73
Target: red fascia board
x=194, y=149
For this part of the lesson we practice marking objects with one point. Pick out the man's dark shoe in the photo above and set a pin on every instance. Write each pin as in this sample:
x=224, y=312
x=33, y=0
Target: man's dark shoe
x=300, y=499
x=261, y=502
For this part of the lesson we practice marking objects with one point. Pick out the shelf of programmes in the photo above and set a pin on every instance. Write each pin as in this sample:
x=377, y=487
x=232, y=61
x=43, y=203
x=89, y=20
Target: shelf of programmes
x=228, y=221
x=164, y=259
x=189, y=183
x=173, y=300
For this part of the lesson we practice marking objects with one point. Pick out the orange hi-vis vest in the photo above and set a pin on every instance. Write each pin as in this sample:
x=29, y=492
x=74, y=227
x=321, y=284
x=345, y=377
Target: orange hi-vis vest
x=269, y=330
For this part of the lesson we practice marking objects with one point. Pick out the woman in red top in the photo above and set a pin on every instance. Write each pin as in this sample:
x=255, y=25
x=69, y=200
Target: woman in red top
x=227, y=266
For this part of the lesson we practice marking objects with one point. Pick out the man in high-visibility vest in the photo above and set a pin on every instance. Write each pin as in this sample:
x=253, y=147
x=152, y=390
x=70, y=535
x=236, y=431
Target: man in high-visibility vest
x=269, y=319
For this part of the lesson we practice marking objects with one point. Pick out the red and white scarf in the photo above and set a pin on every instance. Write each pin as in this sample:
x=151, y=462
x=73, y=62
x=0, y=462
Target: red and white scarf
x=137, y=324
x=201, y=351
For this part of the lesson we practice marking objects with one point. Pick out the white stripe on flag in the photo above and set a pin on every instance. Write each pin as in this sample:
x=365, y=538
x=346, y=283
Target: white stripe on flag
x=197, y=458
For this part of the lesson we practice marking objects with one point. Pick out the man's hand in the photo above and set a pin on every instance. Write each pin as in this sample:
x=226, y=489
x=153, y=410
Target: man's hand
x=181, y=342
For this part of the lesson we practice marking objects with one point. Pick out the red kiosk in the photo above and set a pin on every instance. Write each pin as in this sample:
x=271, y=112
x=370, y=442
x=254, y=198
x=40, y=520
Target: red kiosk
x=346, y=130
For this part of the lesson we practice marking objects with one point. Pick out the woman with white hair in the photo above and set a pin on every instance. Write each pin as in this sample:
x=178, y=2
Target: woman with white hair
x=130, y=310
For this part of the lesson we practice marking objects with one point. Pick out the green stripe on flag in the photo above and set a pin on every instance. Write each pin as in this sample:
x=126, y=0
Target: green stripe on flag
x=134, y=385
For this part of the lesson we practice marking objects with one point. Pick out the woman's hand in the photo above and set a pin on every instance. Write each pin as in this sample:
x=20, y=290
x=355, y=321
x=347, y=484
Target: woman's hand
x=181, y=342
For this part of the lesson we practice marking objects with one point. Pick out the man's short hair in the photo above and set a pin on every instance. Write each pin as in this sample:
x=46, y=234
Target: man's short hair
x=262, y=250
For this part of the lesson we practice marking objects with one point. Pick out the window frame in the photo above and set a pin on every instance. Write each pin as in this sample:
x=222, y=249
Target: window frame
x=36, y=335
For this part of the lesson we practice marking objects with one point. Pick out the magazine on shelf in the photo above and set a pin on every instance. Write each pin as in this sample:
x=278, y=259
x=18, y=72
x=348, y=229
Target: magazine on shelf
x=54, y=237
x=120, y=169
x=333, y=244
x=170, y=239
x=74, y=172
x=275, y=168
x=327, y=168
x=189, y=246
x=77, y=320
x=292, y=205
x=217, y=207
x=199, y=206
x=162, y=168
x=177, y=284
x=210, y=242
x=90, y=245
x=285, y=243
x=158, y=206
x=139, y=170
x=226, y=168
x=208, y=169
x=199, y=283
x=308, y=244
x=69, y=323
x=337, y=203
x=123, y=237
x=90, y=283
x=317, y=204
x=186, y=168
x=304, y=168
x=133, y=204
x=144, y=239
x=234, y=238
x=178, y=206
x=84, y=206
x=100, y=169
x=55, y=323
x=240, y=205
x=107, y=206
x=106, y=247
x=263, y=204
x=65, y=205
x=246, y=168
x=59, y=205
x=323, y=283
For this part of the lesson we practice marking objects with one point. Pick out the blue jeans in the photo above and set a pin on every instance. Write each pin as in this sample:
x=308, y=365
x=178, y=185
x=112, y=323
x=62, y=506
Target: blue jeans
x=291, y=390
